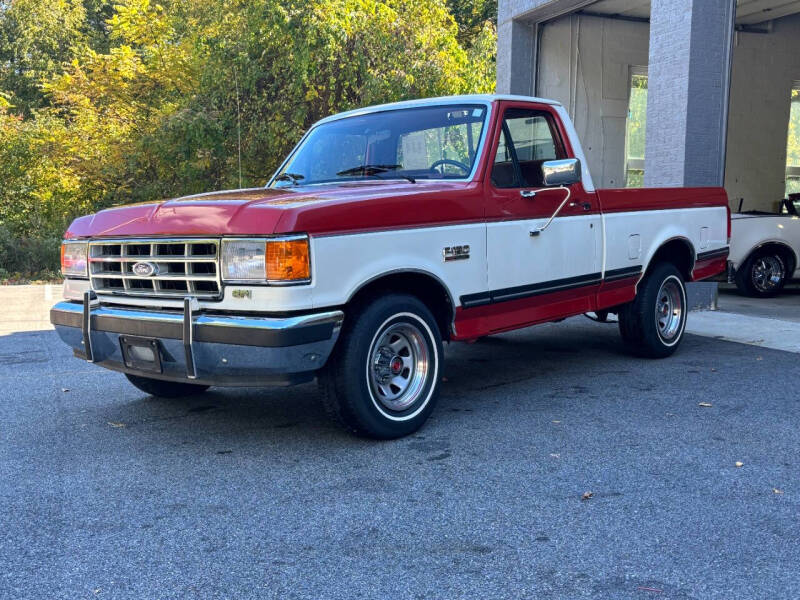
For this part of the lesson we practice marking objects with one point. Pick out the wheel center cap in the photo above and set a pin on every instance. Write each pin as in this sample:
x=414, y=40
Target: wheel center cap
x=396, y=365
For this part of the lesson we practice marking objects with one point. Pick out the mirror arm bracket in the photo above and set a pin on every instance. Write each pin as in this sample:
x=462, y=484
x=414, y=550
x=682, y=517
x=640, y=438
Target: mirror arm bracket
x=537, y=232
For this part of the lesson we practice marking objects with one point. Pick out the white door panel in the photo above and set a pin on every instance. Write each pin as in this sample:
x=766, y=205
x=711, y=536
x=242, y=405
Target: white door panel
x=569, y=247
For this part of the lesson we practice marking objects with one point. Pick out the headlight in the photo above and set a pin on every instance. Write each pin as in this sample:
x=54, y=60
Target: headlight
x=271, y=260
x=73, y=259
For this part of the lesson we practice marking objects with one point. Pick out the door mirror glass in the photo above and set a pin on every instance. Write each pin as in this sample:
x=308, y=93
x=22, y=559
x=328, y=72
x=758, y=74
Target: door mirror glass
x=561, y=172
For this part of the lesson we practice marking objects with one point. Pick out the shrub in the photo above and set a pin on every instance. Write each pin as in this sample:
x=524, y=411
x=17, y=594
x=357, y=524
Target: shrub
x=28, y=258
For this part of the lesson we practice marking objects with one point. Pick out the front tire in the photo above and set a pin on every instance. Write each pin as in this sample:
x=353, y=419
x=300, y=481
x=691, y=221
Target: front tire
x=383, y=379
x=763, y=275
x=165, y=389
x=653, y=324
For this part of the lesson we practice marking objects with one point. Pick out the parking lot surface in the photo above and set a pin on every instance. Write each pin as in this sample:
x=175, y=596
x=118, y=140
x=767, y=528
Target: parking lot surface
x=785, y=307
x=109, y=493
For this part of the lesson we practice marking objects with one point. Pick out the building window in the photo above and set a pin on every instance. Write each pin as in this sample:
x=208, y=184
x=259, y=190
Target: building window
x=635, y=129
x=793, y=144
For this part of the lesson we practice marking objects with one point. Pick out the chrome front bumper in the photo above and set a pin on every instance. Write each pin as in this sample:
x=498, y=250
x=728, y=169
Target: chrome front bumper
x=198, y=346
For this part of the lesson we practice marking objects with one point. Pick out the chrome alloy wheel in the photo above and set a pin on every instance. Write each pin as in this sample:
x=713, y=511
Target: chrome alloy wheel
x=669, y=309
x=399, y=363
x=767, y=273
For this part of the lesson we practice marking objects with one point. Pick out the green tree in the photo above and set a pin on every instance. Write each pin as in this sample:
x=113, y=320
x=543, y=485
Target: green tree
x=177, y=92
x=102, y=105
x=37, y=197
x=36, y=37
x=472, y=17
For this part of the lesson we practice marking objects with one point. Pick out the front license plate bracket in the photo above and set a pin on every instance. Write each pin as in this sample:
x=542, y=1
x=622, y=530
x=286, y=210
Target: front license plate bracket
x=142, y=354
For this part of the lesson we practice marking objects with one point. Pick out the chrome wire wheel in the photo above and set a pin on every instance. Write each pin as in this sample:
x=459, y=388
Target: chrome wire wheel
x=399, y=364
x=767, y=273
x=669, y=309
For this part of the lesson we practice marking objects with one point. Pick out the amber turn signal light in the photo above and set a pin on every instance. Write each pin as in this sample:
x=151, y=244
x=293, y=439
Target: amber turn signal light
x=288, y=260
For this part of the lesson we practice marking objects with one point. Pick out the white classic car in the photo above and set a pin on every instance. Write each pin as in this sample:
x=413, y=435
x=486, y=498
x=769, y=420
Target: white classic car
x=765, y=249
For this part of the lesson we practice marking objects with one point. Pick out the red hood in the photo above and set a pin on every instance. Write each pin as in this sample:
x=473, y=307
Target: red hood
x=320, y=209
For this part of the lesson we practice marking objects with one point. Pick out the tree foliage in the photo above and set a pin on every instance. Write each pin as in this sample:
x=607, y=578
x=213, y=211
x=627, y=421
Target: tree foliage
x=105, y=103
x=472, y=16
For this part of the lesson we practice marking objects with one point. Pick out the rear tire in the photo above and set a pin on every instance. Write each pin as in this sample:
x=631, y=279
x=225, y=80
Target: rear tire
x=383, y=379
x=763, y=274
x=165, y=389
x=653, y=324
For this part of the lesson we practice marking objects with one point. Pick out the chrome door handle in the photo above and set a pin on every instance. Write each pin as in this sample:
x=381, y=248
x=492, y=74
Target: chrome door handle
x=586, y=205
x=527, y=193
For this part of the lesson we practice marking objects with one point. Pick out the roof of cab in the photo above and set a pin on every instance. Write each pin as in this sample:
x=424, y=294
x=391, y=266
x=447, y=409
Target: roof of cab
x=464, y=99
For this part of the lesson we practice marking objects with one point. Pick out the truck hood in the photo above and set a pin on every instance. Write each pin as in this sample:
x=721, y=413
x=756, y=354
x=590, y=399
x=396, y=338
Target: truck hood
x=310, y=209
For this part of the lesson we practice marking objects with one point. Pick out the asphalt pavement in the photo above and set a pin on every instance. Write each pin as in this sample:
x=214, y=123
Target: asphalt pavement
x=556, y=466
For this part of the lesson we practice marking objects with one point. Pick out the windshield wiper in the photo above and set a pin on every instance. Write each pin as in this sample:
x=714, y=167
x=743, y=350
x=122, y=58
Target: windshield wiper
x=375, y=170
x=293, y=177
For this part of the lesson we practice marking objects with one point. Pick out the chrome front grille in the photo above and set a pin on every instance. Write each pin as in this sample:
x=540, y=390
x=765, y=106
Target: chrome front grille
x=165, y=268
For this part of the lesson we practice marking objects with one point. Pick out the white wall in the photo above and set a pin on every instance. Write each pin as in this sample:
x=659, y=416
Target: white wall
x=585, y=64
x=764, y=66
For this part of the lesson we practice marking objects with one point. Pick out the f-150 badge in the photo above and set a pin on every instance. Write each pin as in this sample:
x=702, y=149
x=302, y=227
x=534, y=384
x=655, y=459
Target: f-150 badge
x=455, y=253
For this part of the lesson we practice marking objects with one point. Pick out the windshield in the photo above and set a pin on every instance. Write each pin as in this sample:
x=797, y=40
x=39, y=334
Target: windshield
x=432, y=142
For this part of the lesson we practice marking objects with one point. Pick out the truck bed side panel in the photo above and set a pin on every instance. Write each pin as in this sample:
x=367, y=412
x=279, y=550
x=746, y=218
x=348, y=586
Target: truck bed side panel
x=637, y=222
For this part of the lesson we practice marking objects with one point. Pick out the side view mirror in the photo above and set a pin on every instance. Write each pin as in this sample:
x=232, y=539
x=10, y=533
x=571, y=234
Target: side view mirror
x=561, y=172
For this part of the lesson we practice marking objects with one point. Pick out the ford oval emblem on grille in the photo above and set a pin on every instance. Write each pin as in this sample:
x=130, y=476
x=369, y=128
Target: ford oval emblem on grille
x=145, y=269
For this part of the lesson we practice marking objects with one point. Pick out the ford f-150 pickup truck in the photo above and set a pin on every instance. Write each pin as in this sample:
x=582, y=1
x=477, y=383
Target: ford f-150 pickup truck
x=386, y=232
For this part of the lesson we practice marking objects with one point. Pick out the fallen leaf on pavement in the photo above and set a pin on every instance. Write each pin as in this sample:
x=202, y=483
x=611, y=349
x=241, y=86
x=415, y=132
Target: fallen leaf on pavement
x=556, y=422
x=586, y=495
x=555, y=456
x=776, y=491
x=738, y=464
x=705, y=404
x=64, y=389
x=116, y=424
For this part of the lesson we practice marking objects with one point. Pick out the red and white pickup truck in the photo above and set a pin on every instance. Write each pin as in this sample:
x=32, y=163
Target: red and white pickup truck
x=386, y=232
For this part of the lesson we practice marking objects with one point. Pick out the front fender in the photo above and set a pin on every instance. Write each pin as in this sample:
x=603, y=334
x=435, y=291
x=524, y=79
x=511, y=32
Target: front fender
x=343, y=264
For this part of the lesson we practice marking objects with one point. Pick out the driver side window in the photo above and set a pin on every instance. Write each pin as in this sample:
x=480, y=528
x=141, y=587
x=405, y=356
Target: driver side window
x=526, y=141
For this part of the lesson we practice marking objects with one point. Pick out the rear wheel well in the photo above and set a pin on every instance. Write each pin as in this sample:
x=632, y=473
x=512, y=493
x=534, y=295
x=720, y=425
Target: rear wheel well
x=430, y=290
x=679, y=252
